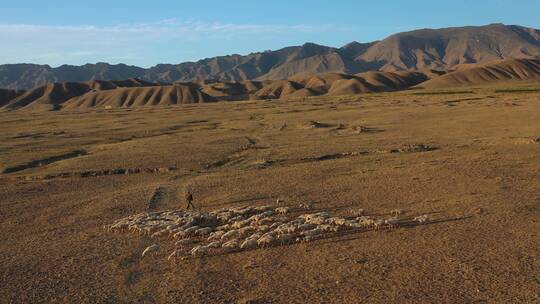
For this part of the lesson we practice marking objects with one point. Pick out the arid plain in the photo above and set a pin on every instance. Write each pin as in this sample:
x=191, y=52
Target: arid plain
x=469, y=159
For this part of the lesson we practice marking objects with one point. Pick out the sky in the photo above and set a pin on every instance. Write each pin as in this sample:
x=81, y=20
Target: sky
x=146, y=33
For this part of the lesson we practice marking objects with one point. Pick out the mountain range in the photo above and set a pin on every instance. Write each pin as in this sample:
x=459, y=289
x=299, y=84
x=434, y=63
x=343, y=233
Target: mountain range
x=425, y=50
x=134, y=93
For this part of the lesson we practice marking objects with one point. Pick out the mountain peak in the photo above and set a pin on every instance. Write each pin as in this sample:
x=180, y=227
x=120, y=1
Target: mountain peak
x=311, y=44
x=352, y=44
x=497, y=24
x=438, y=49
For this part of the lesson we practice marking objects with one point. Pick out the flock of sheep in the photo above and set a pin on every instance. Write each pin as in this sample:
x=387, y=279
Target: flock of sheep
x=243, y=228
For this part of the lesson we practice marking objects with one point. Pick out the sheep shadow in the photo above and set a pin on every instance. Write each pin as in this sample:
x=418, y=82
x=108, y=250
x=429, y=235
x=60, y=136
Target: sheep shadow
x=339, y=236
x=408, y=223
x=405, y=211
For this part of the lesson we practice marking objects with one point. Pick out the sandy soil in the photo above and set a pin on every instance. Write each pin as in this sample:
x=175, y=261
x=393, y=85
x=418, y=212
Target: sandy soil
x=65, y=178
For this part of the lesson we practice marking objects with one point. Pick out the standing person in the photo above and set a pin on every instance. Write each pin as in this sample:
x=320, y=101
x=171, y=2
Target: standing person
x=189, y=200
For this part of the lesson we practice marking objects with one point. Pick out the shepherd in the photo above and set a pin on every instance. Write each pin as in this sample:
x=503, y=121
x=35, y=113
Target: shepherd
x=189, y=200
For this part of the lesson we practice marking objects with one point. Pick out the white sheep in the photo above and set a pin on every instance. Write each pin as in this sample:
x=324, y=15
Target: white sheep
x=223, y=227
x=298, y=221
x=230, y=234
x=377, y=224
x=365, y=221
x=150, y=249
x=245, y=227
x=183, y=243
x=306, y=206
x=392, y=222
x=232, y=244
x=189, y=224
x=248, y=243
x=354, y=224
x=224, y=217
x=180, y=234
x=263, y=208
x=174, y=254
x=199, y=250
x=243, y=211
x=282, y=228
x=308, y=217
x=292, y=228
x=254, y=219
x=160, y=233
x=422, y=219
x=118, y=226
x=323, y=214
x=316, y=220
x=307, y=238
x=275, y=225
x=306, y=226
x=148, y=230
x=263, y=228
x=357, y=211
x=246, y=230
x=174, y=231
x=215, y=244
x=312, y=232
x=203, y=231
x=396, y=212
x=216, y=235
x=282, y=210
x=267, y=213
x=266, y=240
x=172, y=227
x=240, y=224
x=236, y=219
x=191, y=230
x=267, y=221
x=326, y=227
x=337, y=221
x=270, y=233
x=285, y=238
x=254, y=236
x=305, y=216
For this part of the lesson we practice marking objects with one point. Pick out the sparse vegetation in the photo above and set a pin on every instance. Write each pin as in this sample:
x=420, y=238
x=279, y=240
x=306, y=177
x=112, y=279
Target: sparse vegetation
x=438, y=165
x=518, y=90
x=456, y=92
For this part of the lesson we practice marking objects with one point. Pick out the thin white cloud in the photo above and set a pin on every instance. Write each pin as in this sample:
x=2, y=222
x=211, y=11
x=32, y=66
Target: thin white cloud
x=57, y=44
x=165, y=26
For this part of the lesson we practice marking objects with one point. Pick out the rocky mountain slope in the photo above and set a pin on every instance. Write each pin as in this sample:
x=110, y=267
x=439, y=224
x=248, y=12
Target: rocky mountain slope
x=137, y=93
x=496, y=71
x=433, y=49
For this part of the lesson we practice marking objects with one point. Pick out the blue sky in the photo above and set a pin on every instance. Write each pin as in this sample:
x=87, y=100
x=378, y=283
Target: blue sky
x=145, y=33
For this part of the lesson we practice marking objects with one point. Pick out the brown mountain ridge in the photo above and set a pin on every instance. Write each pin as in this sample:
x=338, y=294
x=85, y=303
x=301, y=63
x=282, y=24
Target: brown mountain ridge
x=136, y=93
x=425, y=49
x=491, y=72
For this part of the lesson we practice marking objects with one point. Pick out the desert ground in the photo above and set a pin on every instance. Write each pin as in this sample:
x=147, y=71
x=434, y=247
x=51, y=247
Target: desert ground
x=468, y=158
